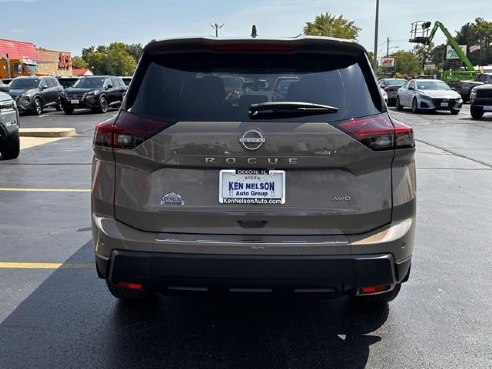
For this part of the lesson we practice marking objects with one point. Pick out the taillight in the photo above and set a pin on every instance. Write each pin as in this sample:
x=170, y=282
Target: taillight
x=103, y=134
x=403, y=135
x=379, y=132
x=127, y=131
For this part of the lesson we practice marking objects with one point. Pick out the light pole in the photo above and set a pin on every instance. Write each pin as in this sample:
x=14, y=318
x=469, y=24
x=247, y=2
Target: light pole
x=376, y=27
x=216, y=26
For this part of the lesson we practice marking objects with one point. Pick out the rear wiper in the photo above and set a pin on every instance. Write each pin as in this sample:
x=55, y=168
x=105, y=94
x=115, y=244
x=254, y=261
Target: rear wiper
x=288, y=108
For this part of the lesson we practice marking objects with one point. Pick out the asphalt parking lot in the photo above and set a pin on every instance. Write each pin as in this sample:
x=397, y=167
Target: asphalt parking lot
x=56, y=313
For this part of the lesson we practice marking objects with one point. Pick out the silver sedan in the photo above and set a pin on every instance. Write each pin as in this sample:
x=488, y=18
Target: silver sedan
x=428, y=95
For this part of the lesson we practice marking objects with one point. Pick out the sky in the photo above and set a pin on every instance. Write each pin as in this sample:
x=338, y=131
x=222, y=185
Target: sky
x=72, y=25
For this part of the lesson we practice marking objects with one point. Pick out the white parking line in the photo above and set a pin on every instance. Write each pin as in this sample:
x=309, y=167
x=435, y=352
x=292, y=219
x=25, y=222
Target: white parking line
x=28, y=142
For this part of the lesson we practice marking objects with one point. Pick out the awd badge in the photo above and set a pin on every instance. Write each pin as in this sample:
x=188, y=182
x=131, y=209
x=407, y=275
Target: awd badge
x=172, y=198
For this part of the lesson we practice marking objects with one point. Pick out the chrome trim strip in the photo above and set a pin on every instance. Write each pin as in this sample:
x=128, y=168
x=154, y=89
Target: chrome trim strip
x=250, y=243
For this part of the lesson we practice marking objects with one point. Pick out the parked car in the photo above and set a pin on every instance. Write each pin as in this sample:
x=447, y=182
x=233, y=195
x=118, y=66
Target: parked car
x=9, y=127
x=385, y=96
x=33, y=94
x=481, y=101
x=3, y=87
x=313, y=194
x=98, y=93
x=67, y=81
x=281, y=86
x=428, y=95
x=464, y=87
x=127, y=80
x=391, y=87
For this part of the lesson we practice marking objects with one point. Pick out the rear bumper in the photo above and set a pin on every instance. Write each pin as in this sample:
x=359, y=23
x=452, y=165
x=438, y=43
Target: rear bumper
x=81, y=105
x=332, y=274
x=338, y=263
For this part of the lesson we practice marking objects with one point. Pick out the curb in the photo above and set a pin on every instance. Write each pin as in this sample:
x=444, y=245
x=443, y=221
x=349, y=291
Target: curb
x=47, y=132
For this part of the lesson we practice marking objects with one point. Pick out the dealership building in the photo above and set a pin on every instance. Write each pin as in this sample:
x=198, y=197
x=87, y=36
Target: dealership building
x=50, y=62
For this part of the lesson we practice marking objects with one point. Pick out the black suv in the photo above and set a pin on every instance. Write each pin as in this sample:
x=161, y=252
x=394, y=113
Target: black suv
x=481, y=101
x=33, y=94
x=97, y=93
x=9, y=127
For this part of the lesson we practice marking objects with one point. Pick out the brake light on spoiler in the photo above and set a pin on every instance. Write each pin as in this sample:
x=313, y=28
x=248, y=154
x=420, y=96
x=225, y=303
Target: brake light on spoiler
x=379, y=132
x=126, y=131
x=254, y=46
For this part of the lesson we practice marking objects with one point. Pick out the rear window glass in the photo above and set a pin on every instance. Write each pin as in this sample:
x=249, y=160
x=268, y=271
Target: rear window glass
x=90, y=82
x=221, y=87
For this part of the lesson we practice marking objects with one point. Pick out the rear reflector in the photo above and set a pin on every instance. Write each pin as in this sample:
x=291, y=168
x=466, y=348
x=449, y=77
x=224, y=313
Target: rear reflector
x=131, y=286
x=127, y=131
x=379, y=132
x=374, y=289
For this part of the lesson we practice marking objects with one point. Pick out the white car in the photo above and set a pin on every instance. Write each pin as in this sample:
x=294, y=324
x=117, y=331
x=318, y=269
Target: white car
x=428, y=95
x=385, y=95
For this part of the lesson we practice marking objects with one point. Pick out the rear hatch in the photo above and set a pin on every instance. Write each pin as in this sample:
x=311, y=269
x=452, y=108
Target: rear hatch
x=197, y=155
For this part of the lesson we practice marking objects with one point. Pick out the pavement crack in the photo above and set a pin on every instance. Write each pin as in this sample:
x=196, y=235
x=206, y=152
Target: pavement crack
x=456, y=154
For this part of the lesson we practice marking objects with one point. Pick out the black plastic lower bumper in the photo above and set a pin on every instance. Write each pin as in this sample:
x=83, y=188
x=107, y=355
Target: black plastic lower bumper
x=338, y=273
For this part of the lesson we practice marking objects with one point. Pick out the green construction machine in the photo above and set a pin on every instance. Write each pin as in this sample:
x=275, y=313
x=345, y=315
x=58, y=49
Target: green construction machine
x=422, y=33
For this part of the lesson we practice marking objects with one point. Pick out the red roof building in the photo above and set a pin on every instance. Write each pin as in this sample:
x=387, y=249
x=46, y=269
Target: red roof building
x=81, y=72
x=20, y=49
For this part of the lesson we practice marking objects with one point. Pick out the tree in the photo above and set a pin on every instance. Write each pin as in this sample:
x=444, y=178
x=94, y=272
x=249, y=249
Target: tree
x=331, y=26
x=478, y=33
x=78, y=62
x=134, y=50
x=116, y=59
x=406, y=63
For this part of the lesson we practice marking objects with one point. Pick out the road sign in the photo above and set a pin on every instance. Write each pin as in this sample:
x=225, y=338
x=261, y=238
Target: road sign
x=388, y=62
x=451, y=54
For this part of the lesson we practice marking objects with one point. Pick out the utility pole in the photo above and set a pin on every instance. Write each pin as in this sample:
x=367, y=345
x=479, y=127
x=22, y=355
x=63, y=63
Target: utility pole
x=387, y=46
x=216, y=27
x=376, y=29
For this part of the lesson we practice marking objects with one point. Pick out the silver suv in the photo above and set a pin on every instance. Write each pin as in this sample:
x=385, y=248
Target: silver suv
x=9, y=128
x=197, y=189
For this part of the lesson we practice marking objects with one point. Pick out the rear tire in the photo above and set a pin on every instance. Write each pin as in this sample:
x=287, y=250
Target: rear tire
x=11, y=149
x=455, y=112
x=398, y=105
x=378, y=299
x=127, y=294
x=476, y=113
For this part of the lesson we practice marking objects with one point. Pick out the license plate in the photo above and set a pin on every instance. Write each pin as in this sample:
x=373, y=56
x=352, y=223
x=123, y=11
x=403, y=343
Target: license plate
x=444, y=105
x=74, y=101
x=487, y=108
x=252, y=186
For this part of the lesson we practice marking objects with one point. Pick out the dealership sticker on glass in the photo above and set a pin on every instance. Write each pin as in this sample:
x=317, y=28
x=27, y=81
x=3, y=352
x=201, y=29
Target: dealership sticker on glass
x=252, y=186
